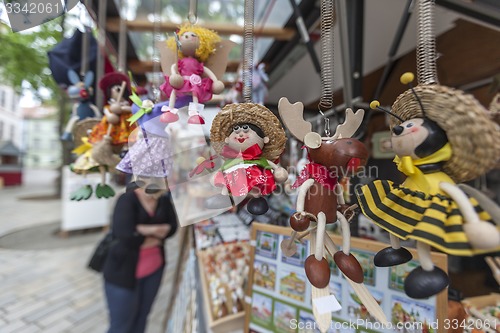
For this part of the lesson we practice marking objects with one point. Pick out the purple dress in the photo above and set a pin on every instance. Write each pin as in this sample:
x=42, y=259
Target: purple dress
x=151, y=154
x=191, y=70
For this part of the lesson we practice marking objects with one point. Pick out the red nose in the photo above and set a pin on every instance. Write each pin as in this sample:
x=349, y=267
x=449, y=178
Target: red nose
x=353, y=164
x=84, y=93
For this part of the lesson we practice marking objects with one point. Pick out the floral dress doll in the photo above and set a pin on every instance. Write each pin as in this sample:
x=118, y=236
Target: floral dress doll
x=250, y=139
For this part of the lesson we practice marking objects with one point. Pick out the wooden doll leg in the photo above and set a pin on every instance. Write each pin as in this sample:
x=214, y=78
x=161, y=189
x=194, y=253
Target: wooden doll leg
x=372, y=306
x=393, y=255
x=194, y=110
x=110, y=128
x=346, y=262
x=288, y=246
x=316, y=266
x=322, y=319
x=426, y=280
x=169, y=114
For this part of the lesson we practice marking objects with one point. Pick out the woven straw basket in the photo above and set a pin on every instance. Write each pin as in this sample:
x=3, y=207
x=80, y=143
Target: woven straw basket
x=82, y=128
x=255, y=114
x=473, y=136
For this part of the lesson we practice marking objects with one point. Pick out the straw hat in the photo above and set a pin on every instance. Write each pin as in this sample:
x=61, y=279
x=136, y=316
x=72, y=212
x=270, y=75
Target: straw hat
x=250, y=113
x=473, y=136
x=112, y=79
x=82, y=128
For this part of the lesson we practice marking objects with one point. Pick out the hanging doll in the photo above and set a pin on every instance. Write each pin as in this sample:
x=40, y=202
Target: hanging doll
x=195, y=59
x=441, y=136
x=320, y=199
x=84, y=108
x=102, y=147
x=250, y=140
x=150, y=156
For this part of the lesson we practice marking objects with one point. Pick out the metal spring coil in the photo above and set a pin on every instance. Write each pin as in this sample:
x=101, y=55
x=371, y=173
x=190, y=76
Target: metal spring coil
x=426, y=44
x=326, y=35
x=155, y=84
x=248, y=51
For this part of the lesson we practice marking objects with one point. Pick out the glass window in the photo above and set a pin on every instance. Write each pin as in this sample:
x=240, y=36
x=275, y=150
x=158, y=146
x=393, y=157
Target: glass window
x=2, y=98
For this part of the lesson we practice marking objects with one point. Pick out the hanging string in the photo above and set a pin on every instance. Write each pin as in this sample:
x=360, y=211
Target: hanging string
x=101, y=40
x=326, y=35
x=122, y=37
x=248, y=50
x=426, y=44
x=85, y=41
x=155, y=84
x=193, y=11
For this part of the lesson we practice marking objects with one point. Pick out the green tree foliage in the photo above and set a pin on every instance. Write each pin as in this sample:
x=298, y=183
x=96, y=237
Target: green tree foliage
x=23, y=57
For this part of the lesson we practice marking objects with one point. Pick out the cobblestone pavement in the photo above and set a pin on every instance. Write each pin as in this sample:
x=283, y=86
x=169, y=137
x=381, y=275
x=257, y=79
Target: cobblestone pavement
x=52, y=290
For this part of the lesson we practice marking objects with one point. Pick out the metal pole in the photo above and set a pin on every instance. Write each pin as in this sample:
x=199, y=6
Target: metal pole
x=101, y=40
x=304, y=34
x=344, y=49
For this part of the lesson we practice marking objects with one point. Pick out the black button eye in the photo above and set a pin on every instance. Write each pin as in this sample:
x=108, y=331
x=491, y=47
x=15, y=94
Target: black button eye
x=245, y=127
x=235, y=128
x=409, y=125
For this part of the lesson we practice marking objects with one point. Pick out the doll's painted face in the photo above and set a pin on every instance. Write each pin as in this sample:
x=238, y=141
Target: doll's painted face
x=408, y=136
x=115, y=92
x=189, y=43
x=417, y=138
x=245, y=136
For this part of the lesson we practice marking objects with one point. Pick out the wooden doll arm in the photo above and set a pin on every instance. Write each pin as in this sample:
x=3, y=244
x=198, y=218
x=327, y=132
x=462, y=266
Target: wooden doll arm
x=126, y=108
x=301, y=198
x=208, y=72
x=175, y=79
x=96, y=110
x=173, y=69
x=217, y=86
x=481, y=234
x=280, y=174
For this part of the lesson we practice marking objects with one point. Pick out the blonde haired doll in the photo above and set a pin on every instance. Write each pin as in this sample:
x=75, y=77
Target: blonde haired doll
x=189, y=75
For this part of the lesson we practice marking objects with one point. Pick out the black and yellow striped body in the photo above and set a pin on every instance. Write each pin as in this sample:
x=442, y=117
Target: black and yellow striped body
x=432, y=218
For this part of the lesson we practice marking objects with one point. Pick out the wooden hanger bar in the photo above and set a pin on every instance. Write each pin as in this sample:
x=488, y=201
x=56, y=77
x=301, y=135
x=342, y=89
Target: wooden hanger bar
x=278, y=33
x=141, y=67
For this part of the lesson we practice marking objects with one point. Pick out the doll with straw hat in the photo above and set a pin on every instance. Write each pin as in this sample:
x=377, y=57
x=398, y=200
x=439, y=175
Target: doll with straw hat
x=441, y=136
x=250, y=140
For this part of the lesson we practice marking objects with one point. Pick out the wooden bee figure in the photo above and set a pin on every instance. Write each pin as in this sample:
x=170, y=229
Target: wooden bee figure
x=441, y=137
x=320, y=200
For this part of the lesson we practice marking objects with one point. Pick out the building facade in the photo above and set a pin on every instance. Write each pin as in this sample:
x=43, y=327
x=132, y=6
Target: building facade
x=11, y=119
x=41, y=136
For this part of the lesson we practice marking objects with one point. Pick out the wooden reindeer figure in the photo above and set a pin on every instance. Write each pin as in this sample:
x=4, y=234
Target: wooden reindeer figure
x=320, y=200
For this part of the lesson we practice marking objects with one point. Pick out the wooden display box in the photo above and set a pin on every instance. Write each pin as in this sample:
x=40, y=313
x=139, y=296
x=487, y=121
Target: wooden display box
x=478, y=320
x=227, y=324
x=480, y=302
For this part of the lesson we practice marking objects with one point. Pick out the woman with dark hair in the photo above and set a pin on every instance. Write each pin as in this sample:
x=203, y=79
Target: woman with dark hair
x=133, y=270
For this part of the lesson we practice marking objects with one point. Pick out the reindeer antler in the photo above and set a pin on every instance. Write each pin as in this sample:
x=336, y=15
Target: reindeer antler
x=350, y=125
x=293, y=118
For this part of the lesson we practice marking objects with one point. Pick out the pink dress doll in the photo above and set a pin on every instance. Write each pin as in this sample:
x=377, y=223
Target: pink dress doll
x=186, y=59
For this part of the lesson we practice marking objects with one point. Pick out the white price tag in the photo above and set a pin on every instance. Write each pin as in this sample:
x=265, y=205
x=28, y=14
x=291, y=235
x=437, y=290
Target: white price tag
x=326, y=304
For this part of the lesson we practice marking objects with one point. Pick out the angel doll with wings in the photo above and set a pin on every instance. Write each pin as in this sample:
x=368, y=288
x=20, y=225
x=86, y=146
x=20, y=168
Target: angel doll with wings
x=195, y=58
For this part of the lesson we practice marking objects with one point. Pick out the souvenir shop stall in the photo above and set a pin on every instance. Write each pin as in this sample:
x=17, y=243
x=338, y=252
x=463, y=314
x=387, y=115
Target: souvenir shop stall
x=318, y=189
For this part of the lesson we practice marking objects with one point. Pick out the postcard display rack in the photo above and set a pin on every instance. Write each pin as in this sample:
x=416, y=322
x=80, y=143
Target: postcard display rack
x=223, y=257
x=279, y=296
